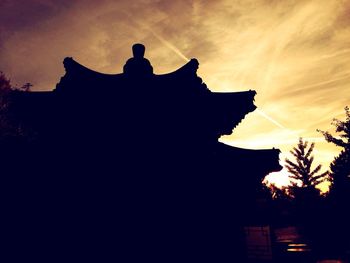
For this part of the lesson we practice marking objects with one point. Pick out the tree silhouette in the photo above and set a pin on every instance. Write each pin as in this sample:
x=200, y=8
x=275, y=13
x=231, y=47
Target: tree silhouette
x=340, y=167
x=301, y=170
x=10, y=126
x=307, y=202
x=337, y=215
x=280, y=193
x=5, y=84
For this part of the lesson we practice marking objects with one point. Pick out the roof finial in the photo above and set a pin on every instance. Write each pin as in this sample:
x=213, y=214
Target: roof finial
x=138, y=65
x=138, y=50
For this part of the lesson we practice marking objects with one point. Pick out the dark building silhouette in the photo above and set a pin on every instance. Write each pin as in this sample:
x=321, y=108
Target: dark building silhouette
x=128, y=166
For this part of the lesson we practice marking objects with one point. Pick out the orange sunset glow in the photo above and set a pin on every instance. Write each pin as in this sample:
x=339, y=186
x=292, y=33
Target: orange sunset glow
x=295, y=54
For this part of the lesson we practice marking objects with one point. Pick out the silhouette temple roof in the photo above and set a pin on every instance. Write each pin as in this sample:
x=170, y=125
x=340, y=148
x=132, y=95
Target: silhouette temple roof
x=223, y=111
x=135, y=156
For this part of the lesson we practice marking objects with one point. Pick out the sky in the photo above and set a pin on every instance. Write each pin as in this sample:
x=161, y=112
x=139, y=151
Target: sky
x=295, y=54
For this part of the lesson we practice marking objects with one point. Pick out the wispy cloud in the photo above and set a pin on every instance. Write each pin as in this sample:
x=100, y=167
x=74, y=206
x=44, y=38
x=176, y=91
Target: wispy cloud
x=295, y=54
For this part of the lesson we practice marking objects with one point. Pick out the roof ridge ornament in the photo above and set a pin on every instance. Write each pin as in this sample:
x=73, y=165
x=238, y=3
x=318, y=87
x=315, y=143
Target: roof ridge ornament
x=138, y=65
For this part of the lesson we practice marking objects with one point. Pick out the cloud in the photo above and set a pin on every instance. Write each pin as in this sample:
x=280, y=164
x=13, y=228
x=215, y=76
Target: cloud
x=295, y=54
